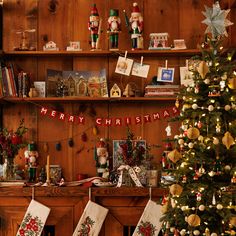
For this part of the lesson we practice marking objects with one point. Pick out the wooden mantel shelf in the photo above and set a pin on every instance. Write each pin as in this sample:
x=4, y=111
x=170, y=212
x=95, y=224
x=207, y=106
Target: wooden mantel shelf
x=80, y=192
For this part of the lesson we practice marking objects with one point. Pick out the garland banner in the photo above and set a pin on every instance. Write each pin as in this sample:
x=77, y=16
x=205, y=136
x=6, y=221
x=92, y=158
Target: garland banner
x=112, y=121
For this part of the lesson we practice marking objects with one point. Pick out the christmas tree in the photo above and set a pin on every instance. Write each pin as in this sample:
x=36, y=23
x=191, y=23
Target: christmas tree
x=201, y=200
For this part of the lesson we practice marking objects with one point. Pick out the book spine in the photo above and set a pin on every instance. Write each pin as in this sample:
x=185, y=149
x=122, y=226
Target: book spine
x=12, y=76
x=8, y=81
x=1, y=83
x=4, y=80
x=12, y=84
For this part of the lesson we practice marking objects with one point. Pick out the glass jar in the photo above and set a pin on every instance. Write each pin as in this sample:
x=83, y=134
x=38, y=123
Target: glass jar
x=8, y=169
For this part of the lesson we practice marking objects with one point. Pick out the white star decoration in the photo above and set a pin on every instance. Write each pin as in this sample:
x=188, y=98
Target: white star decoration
x=216, y=20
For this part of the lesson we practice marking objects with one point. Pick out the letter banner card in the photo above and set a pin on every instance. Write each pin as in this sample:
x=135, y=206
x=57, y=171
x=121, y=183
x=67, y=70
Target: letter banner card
x=34, y=219
x=149, y=223
x=91, y=220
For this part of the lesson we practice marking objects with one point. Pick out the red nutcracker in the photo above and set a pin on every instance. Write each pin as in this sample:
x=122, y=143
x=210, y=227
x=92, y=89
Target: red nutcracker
x=94, y=25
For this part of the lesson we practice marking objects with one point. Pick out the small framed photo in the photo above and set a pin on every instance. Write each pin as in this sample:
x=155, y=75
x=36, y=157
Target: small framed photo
x=166, y=74
x=140, y=70
x=179, y=44
x=118, y=150
x=124, y=66
x=74, y=46
x=40, y=87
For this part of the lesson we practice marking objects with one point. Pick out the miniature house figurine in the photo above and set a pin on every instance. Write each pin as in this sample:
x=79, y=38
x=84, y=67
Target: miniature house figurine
x=158, y=41
x=94, y=25
x=114, y=28
x=50, y=46
x=115, y=91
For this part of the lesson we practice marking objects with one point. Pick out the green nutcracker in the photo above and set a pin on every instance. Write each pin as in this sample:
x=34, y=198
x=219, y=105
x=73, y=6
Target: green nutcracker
x=114, y=28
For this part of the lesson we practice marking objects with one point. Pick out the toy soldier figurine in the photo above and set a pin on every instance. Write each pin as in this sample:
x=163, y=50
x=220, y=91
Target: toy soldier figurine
x=94, y=25
x=136, y=25
x=114, y=28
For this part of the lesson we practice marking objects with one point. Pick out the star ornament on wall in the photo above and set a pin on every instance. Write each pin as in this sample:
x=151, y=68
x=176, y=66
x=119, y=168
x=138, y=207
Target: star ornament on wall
x=216, y=20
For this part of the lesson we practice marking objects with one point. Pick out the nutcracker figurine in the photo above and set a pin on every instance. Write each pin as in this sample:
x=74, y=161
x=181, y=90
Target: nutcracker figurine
x=114, y=28
x=136, y=27
x=31, y=155
x=94, y=25
x=101, y=157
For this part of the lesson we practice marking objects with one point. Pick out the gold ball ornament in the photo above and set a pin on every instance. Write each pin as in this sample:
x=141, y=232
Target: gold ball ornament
x=228, y=140
x=176, y=189
x=232, y=83
x=193, y=133
x=174, y=155
x=194, y=220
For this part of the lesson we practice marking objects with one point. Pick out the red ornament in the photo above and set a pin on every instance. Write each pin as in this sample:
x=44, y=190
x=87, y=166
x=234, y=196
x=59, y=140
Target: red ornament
x=15, y=139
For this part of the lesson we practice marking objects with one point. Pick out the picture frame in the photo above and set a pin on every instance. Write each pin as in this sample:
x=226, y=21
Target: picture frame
x=179, y=44
x=140, y=70
x=40, y=87
x=124, y=66
x=52, y=80
x=117, y=161
x=186, y=77
x=165, y=74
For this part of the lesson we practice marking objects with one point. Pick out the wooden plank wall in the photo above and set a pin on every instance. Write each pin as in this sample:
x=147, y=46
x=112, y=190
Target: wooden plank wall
x=180, y=18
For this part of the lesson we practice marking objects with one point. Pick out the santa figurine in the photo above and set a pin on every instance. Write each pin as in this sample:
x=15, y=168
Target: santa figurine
x=94, y=25
x=114, y=28
x=136, y=25
x=101, y=157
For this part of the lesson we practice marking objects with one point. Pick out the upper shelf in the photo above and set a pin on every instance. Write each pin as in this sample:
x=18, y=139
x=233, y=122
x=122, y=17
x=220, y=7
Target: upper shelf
x=184, y=52
x=87, y=99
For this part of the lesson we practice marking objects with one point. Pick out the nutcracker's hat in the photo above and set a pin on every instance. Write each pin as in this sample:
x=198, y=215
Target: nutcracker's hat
x=101, y=143
x=94, y=10
x=114, y=12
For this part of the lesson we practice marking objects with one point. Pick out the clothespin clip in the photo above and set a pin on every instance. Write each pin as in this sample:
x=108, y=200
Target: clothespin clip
x=141, y=62
x=90, y=193
x=166, y=64
x=186, y=63
x=126, y=54
x=32, y=193
x=150, y=193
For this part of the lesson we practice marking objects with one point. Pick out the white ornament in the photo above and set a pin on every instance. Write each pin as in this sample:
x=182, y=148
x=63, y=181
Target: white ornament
x=210, y=108
x=215, y=141
x=233, y=106
x=227, y=107
x=201, y=171
x=211, y=173
x=200, y=138
x=219, y=207
x=206, y=81
x=201, y=208
x=183, y=208
x=190, y=145
x=176, y=136
x=196, y=232
x=193, y=208
x=189, y=89
x=172, y=229
x=195, y=106
x=214, y=234
x=182, y=232
x=210, y=206
x=227, y=167
x=180, y=141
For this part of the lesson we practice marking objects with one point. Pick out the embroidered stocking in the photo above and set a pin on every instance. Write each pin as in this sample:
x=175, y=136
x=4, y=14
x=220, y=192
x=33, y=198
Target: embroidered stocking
x=34, y=219
x=149, y=224
x=91, y=220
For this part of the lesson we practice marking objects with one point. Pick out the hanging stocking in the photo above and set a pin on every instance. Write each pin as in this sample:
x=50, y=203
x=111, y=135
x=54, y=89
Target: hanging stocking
x=34, y=219
x=91, y=220
x=149, y=224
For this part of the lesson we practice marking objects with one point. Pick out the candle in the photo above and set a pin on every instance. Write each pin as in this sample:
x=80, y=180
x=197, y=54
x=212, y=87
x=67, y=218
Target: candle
x=48, y=169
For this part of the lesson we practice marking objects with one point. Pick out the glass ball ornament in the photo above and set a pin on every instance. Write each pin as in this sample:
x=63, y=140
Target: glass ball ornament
x=227, y=168
x=216, y=141
x=214, y=234
x=195, y=106
x=201, y=208
x=182, y=232
x=227, y=107
x=219, y=206
x=191, y=145
x=181, y=141
x=210, y=108
x=196, y=232
x=172, y=229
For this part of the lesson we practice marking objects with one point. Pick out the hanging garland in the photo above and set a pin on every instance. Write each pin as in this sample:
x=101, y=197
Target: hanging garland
x=111, y=121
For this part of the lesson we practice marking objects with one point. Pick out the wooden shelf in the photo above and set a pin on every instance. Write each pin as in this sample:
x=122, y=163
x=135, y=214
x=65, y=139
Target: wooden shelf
x=87, y=99
x=184, y=52
x=80, y=191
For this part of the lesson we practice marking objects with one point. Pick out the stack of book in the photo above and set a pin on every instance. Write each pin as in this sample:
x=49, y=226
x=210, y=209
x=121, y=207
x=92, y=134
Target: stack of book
x=161, y=90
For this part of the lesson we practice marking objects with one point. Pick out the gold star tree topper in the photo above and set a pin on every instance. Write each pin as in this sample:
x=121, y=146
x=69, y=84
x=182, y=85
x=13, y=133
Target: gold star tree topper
x=216, y=20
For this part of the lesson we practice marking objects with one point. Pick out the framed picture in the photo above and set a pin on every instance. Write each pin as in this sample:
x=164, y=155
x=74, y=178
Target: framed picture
x=140, y=70
x=179, y=44
x=186, y=77
x=53, y=79
x=118, y=151
x=40, y=86
x=124, y=66
x=166, y=74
